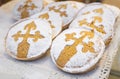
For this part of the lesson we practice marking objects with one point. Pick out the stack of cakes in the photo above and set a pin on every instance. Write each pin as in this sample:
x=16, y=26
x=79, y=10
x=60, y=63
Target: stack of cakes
x=75, y=34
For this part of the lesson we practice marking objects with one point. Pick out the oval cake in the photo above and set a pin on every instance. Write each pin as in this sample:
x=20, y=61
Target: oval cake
x=28, y=39
x=26, y=8
x=98, y=18
x=77, y=50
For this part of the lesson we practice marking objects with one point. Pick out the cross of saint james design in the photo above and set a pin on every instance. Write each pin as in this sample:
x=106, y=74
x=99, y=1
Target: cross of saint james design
x=24, y=9
x=92, y=24
x=70, y=50
x=62, y=13
x=46, y=17
x=23, y=47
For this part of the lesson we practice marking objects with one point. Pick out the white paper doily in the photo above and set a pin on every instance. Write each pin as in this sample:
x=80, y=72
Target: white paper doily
x=44, y=68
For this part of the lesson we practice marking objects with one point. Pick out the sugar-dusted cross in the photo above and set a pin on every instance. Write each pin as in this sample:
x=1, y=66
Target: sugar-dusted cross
x=23, y=47
x=92, y=25
x=62, y=13
x=24, y=9
x=70, y=50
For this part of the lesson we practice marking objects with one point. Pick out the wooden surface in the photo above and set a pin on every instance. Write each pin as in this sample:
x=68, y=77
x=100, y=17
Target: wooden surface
x=3, y=1
x=112, y=2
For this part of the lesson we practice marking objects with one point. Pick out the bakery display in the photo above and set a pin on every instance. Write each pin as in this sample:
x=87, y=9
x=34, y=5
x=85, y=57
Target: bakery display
x=54, y=19
x=76, y=34
x=28, y=39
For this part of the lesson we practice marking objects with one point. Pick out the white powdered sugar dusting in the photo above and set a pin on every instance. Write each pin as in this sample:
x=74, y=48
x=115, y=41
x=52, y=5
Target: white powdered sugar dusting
x=55, y=20
x=37, y=3
x=115, y=10
x=70, y=11
x=80, y=62
x=108, y=20
x=44, y=68
x=36, y=48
